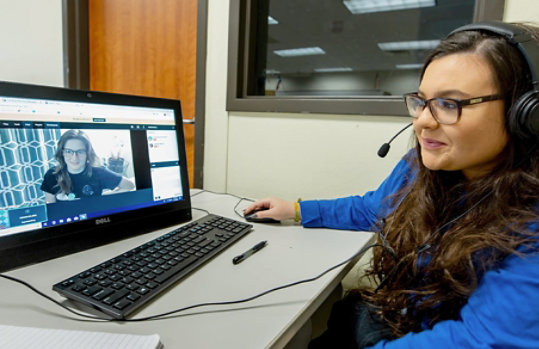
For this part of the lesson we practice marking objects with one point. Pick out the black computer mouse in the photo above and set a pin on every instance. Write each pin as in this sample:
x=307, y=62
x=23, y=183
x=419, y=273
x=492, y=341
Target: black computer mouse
x=251, y=217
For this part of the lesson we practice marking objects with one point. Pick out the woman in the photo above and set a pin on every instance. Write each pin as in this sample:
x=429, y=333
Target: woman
x=457, y=218
x=78, y=173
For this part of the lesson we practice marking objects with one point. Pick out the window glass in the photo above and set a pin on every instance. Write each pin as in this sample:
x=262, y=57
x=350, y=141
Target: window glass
x=350, y=47
x=304, y=52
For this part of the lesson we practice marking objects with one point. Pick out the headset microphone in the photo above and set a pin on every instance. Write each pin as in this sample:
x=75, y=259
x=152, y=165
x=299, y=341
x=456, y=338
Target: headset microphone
x=384, y=149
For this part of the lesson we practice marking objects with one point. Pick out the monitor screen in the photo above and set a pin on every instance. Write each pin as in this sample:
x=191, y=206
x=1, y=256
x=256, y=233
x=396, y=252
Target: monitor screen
x=79, y=169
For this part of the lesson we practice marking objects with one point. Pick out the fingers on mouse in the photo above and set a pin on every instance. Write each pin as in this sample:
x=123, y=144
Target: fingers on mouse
x=252, y=217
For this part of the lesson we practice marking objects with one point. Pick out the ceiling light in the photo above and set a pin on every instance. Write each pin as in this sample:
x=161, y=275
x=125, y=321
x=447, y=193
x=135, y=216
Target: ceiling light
x=272, y=20
x=369, y=6
x=408, y=45
x=409, y=66
x=306, y=51
x=332, y=70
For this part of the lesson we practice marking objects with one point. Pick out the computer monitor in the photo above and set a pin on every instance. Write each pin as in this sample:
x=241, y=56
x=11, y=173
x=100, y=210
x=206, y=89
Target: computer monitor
x=79, y=169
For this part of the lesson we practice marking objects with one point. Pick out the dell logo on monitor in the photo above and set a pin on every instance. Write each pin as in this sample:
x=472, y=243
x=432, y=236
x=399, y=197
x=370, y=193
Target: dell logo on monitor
x=102, y=220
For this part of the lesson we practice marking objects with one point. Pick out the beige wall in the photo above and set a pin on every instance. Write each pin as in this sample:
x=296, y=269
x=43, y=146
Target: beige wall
x=521, y=11
x=31, y=41
x=297, y=155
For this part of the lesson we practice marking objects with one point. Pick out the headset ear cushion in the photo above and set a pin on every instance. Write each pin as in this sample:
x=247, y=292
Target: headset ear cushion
x=524, y=118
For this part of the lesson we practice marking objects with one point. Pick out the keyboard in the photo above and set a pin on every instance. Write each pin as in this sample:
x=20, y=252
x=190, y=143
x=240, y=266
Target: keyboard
x=121, y=285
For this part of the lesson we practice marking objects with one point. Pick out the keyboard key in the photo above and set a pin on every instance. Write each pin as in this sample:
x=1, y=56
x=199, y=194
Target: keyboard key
x=115, y=277
x=122, y=304
x=117, y=285
x=90, y=282
x=151, y=284
x=103, y=293
x=100, y=276
x=141, y=281
x=105, y=283
x=115, y=297
x=205, y=243
x=143, y=290
x=133, y=297
x=85, y=274
x=68, y=282
x=127, y=280
x=133, y=286
x=78, y=288
x=91, y=290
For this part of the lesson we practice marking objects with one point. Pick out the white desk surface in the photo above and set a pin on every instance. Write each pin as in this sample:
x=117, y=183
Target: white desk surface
x=293, y=253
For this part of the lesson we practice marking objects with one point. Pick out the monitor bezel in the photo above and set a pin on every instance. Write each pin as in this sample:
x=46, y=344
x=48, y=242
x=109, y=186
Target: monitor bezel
x=38, y=245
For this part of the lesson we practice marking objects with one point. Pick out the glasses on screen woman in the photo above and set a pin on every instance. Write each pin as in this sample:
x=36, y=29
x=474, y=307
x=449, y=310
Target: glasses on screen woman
x=70, y=152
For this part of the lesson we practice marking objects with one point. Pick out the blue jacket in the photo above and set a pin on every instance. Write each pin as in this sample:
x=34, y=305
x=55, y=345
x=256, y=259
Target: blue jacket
x=503, y=312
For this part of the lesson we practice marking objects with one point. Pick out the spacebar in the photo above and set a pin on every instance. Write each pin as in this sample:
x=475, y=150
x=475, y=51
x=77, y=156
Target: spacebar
x=175, y=269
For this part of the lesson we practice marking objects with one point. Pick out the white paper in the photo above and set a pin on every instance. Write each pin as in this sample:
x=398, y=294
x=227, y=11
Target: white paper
x=43, y=338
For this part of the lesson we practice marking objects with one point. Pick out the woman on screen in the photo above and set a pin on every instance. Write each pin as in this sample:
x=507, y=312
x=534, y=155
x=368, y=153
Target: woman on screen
x=78, y=173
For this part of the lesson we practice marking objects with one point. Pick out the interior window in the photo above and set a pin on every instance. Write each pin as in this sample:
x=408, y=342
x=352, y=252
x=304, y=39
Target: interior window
x=352, y=51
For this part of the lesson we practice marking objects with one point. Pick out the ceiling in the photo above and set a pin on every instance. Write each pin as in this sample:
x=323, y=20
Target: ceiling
x=350, y=40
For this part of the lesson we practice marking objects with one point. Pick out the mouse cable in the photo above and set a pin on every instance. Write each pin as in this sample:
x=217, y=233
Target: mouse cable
x=201, y=209
x=166, y=315
x=241, y=199
x=202, y=191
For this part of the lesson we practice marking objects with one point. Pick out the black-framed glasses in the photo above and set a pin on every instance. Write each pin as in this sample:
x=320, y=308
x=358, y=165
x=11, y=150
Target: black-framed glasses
x=71, y=152
x=444, y=110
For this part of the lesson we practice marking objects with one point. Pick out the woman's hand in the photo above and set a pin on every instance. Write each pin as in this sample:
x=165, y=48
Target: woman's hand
x=275, y=208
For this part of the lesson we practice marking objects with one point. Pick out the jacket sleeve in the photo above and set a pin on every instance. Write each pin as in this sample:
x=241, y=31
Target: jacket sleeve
x=503, y=312
x=357, y=212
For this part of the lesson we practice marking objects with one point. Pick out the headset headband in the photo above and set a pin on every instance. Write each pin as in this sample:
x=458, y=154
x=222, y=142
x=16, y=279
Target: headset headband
x=515, y=35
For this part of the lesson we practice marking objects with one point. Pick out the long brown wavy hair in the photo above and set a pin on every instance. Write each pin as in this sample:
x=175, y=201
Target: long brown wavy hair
x=60, y=171
x=448, y=231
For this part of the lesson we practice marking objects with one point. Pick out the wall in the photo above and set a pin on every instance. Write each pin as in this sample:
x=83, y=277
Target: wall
x=296, y=155
x=521, y=11
x=31, y=37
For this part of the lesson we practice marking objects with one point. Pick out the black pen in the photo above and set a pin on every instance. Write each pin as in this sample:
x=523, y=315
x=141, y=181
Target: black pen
x=248, y=253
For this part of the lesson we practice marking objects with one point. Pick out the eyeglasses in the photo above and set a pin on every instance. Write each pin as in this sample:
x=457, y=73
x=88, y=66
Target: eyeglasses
x=444, y=110
x=70, y=152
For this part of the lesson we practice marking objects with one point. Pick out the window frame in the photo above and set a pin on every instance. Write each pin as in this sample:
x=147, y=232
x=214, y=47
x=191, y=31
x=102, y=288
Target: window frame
x=241, y=39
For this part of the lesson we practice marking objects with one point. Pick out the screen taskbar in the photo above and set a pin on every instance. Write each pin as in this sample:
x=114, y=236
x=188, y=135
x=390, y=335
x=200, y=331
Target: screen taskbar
x=97, y=214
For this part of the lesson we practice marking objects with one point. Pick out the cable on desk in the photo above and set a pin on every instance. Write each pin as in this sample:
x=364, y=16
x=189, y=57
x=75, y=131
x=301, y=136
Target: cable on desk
x=166, y=315
x=233, y=195
x=217, y=193
x=248, y=299
x=201, y=209
x=24, y=283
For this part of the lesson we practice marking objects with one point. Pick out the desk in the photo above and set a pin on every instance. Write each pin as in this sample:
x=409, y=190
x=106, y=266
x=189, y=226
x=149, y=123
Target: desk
x=293, y=253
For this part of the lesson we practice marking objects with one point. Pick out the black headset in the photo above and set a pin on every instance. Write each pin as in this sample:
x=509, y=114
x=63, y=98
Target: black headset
x=524, y=115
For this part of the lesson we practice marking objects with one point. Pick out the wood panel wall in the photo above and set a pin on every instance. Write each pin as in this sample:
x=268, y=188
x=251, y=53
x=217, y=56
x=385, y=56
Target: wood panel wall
x=146, y=47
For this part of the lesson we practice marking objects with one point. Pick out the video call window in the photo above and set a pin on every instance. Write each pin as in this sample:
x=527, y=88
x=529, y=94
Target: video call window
x=40, y=166
x=89, y=163
x=29, y=154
